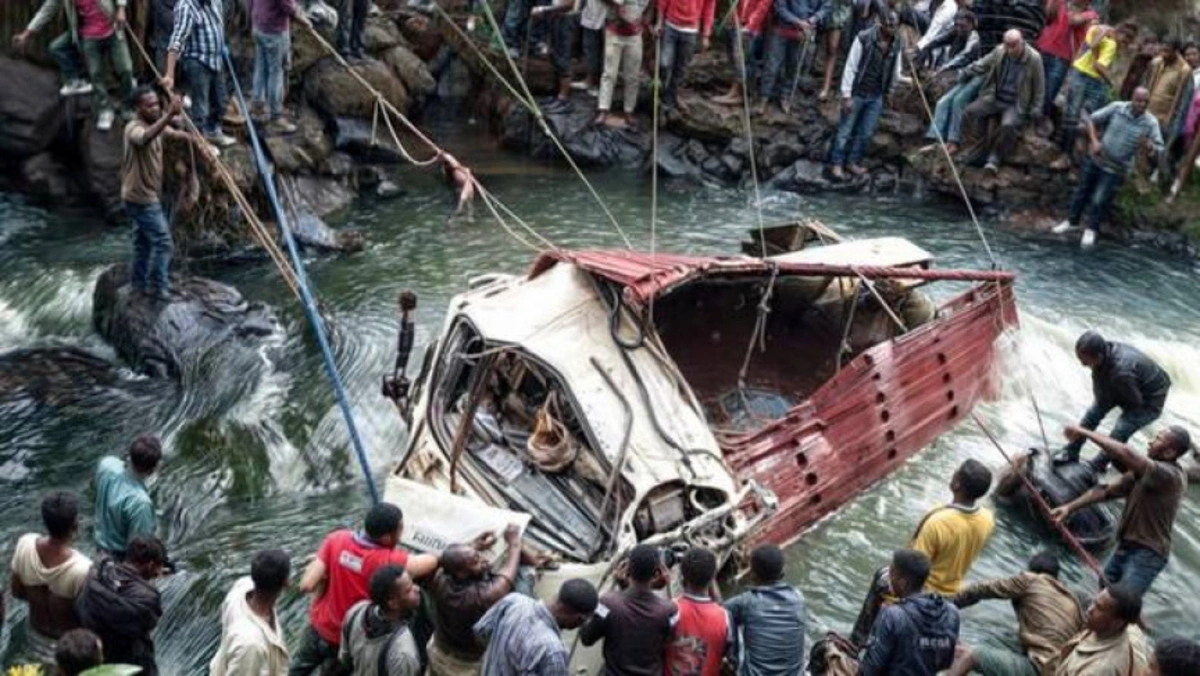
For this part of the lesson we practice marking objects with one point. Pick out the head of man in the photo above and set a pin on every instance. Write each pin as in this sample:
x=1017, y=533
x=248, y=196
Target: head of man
x=1139, y=102
x=60, y=514
x=698, y=568
x=77, y=651
x=1044, y=563
x=1170, y=444
x=270, y=570
x=145, y=101
x=1127, y=32
x=575, y=603
x=971, y=481
x=147, y=555
x=908, y=572
x=463, y=562
x=384, y=524
x=964, y=22
x=1170, y=50
x=1175, y=656
x=1091, y=348
x=1112, y=610
x=1191, y=54
x=889, y=21
x=643, y=564
x=392, y=590
x=766, y=564
x=1014, y=43
x=144, y=455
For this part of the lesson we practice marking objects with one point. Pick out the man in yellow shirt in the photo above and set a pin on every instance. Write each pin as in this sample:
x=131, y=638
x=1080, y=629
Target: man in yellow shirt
x=1090, y=81
x=952, y=536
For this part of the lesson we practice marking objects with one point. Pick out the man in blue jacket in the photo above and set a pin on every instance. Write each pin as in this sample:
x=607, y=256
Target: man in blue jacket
x=1122, y=377
x=768, y=619
x=792, y=24
x=916, y=635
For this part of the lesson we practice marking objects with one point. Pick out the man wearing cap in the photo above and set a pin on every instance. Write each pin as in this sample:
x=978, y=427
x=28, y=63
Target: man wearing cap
x=1122, y=377
x=1153, y=487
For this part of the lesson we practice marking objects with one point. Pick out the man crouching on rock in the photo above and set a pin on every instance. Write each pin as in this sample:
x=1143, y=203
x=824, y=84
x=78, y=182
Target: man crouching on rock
x=141, y=190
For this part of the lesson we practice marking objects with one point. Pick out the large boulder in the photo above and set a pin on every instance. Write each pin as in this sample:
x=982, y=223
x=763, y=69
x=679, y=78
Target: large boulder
x=411, y=70
x=31, y=111
x=589, y=144
x=304, y=151
x=101, y=151
x=181, y=337
x=334, y=92
x=48, y=178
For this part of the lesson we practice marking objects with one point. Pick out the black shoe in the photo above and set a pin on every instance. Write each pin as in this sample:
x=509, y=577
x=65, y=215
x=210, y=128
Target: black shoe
x=1065, y=457
x=161, y=295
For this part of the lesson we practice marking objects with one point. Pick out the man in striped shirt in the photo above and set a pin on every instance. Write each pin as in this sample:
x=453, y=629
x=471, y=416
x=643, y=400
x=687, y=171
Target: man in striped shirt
x=199, y=36
x=1128, y=126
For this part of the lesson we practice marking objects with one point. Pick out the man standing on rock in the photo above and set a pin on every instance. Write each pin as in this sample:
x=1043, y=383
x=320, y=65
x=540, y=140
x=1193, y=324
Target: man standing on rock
x=1128, y=126
x=793, y=25
x=871, y=73
x=96, y=28
x=272, y=44
x=199, y=36
x=141, y=191
x=1014, y=89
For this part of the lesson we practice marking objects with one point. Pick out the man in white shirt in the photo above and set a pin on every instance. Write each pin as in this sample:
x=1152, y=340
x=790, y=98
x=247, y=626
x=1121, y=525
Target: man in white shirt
x=251, y=641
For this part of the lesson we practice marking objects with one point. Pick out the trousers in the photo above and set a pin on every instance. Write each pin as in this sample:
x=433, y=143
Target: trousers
x=622, y=54
x=63, y=51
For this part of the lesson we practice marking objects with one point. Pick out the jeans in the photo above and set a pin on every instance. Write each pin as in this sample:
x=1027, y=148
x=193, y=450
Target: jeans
x=855, y=129
x=782, y=59
x=948, y=115
x=622, y=53
x=1134, y=566
x=270, y=54
x=1056, y=70
x=593, y=52
x=982, y=111
x=562, y=36
x=516, y=22
x=1084, y=92
x=678, y=47
x=1130, y=421
x=63, y=50
x=313, y=654
x=752, y=48
x=152, y=246
x=352, y=23
x=207, y=89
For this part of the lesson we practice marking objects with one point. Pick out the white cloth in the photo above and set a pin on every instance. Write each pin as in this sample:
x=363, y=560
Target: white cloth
x=64, y=580
x=595, y=12
x=941, y=23
x=250, y=646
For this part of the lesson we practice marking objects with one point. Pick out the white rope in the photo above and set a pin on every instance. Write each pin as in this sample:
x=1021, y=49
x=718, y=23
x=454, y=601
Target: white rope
x=741, y=54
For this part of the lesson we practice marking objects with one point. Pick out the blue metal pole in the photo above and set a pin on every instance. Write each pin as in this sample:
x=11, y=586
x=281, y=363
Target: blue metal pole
x=306, y=299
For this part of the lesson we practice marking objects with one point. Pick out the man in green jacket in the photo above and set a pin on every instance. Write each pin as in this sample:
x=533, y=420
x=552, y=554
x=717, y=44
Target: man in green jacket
x=96, y=28
x=1014, y=85
x=124, y=509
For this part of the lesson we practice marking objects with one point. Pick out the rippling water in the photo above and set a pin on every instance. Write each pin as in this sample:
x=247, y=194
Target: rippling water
x=266, y=462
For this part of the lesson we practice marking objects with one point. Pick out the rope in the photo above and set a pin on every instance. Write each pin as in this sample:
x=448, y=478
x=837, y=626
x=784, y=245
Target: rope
x=1042, y=506
x=306, y=296
x=953, y=168
x=257, y=229
x=536, y=111
x=655, y=111
x=740, y=50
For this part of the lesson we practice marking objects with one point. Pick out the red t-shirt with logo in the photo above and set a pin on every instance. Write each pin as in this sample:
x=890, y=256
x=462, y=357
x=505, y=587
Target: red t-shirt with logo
x=94, y=23
x=350, y=559
x=1061, y=39
x=699, y=639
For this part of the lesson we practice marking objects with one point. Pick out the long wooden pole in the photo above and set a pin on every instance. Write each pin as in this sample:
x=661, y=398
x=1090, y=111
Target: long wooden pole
x=1186, y=170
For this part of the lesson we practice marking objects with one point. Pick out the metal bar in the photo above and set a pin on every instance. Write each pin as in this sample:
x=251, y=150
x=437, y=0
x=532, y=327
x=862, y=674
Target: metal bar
x=483, y=370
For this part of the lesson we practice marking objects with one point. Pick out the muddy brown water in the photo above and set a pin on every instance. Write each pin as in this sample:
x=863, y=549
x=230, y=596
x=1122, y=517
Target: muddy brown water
x=257, y=456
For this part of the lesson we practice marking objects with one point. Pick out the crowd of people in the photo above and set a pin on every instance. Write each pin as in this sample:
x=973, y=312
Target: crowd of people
x=379, y=609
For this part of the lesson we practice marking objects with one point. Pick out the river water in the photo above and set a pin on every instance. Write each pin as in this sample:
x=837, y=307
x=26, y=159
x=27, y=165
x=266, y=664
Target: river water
x=258, y=456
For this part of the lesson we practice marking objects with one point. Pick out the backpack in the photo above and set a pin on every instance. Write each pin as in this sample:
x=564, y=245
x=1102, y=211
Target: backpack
x=346, y=666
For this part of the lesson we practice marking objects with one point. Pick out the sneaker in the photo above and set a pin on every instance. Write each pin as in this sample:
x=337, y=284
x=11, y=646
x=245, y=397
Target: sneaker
x=1064, y=457
x=76, y=88
x=104, y=121
x=1063, y=228
x=580, y=86
x=593, y=92
x=1088, y=240
x=219, y=139
x=1061, y=164
x=992, y=167
x=281, y=125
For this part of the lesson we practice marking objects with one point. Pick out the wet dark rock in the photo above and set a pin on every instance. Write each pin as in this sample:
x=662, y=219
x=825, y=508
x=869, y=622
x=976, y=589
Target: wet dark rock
x=419, y=32
x=354, y=136
x=320, y=194
x=171, y=339
x=588, y=143
x=807, y=176
x=334, y=92
x=782, y=153
x=410, y=69
x=62, y=381
x=47, y=177
x=31, y=112
x=102, y=151
x=305, y=150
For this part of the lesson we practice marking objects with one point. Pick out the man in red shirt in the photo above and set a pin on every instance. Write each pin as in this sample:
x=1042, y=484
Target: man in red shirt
x=681, y=24
x=1067, y=22
x=339, y=578
x=701, y=632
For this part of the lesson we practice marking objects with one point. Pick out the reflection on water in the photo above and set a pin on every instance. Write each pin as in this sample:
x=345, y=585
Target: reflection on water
x=269, y=464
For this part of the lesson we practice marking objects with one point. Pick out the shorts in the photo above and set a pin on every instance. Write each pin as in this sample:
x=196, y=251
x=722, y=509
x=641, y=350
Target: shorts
x=838, y=17
x=1001, y=662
